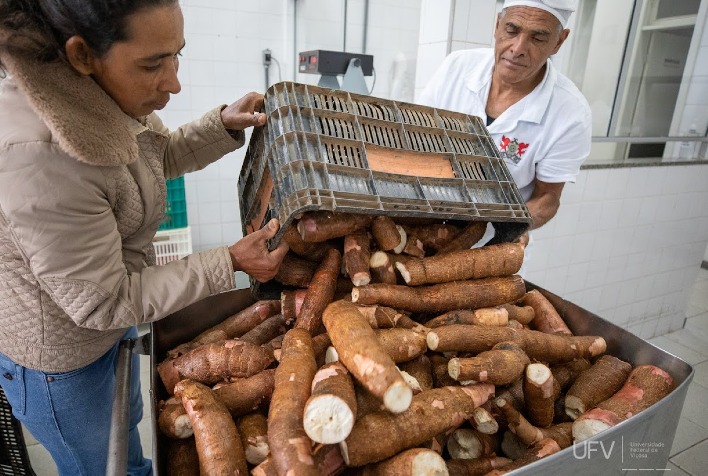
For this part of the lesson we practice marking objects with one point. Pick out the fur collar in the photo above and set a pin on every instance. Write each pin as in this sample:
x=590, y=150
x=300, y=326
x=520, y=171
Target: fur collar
x=85, y=121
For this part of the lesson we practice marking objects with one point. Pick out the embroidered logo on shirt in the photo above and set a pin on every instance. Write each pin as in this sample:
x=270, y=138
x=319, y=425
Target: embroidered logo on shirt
x=512, y=149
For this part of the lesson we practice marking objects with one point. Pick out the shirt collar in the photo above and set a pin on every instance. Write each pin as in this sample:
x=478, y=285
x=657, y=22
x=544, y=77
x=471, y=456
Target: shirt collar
x=532, y=108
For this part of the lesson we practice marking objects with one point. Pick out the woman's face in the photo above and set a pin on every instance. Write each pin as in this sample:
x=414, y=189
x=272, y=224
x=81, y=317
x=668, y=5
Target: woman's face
x=140, y=73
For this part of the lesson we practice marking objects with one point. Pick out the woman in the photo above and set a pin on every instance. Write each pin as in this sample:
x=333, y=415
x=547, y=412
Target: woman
x=83, y=162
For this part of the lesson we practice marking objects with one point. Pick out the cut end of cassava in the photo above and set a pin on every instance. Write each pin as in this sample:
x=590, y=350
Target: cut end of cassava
x=404, y=239
x=464, y=444
x=453, y=368
x=355, y=295
x=343, y=449
x=361, y=279
x=432, y=338
x=428, y=463
x=331, y=355
x=538, y=373
x=257, y=453
x=587, y=428
x=328, y=419
x=598, y=347
x=183, y=427
x=397, y=398
x=378, y=260
x=405, y=274
x=574, y=407
x=411, y=381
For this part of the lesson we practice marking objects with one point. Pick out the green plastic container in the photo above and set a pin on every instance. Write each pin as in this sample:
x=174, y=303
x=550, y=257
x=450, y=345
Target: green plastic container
x=176, y=207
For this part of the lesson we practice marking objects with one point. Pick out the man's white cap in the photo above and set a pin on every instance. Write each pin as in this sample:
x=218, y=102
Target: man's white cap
x=561, y=9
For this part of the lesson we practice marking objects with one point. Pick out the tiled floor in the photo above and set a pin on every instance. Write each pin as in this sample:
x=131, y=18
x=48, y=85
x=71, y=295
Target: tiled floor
x=689, y=454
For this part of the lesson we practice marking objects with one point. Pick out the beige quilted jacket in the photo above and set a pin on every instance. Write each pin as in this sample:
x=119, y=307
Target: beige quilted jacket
x=82, y=192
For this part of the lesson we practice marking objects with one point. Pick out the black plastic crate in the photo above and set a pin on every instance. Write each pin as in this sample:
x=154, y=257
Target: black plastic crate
x=325, y=149
x=14, y=460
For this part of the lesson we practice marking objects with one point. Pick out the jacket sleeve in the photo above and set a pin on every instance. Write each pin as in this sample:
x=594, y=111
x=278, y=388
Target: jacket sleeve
x=197, y=144
x=57, y=215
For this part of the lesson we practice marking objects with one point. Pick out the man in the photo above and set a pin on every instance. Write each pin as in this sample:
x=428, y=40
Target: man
x=539, y=120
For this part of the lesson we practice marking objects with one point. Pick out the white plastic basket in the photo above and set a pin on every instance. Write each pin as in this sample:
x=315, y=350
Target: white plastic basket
x=172, y=244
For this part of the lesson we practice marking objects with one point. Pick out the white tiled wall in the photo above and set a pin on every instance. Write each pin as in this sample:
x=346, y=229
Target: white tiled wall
x=627, y=244
x=447, y=25
x=222, y=61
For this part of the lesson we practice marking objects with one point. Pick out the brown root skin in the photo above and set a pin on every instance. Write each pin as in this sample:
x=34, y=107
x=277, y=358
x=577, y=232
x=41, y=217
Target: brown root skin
x=265, y=331
x=316, y=227
x=320, y=344
x=310, y=251
x=420, y=368
x=173, y=420
x=381, y=317
x=328, y=461
x=539, y=394
x=231, y=327
x=253, y=429
x=363, y=355
x=380, y=435
x=475, y=467
x=434, y=236
x=413, y=462
x=331, y=409
x=386, y=233
x=543, y=448
x=295, y=271
x=489, y=261
x=529, y=434
x=356, y=257
x=441, y=377
x=381, y=269
x=488, y=316
x=402, y=344
x=320, y=293
x=546, y=318
x=290, y=446
x=537, y=345
x=291, y=304
x=444, y=297
x=521, y=314
x=566, y=373
x=211, y=363
x=245, y=395
x=646, y=385
x=501, y=365
x=596, y=384
x=414, y=247
x=182, y=458
x=220, y=452
x=464, y=240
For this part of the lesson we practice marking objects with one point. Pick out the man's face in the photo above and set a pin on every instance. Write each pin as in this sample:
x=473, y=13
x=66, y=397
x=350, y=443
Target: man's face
x=141, y=72
x=525, y=38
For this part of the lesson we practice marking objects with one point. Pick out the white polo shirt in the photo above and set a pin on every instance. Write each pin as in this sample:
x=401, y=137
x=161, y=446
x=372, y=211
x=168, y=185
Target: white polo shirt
x=546, y=135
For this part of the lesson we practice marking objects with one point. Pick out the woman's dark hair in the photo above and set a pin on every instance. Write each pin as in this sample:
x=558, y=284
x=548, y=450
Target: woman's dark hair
x=41, y=27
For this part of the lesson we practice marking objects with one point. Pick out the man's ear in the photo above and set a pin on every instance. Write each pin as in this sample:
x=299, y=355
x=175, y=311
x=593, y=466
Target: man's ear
x=79, y=55
x=561, y=39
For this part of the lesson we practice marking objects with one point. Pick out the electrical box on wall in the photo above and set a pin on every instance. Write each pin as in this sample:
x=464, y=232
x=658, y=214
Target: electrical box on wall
x=333, y=62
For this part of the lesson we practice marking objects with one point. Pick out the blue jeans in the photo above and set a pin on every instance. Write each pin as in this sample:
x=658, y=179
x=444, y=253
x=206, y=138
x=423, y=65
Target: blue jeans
x=69, y=413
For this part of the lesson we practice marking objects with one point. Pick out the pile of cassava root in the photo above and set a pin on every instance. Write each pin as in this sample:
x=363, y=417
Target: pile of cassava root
x=395, y=350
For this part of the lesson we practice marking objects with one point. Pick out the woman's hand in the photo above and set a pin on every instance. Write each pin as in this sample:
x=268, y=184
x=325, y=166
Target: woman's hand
x=244, y=113
x=250, y=254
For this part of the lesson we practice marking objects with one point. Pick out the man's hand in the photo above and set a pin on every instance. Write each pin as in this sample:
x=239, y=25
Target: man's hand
x=244, y=113
x=251, y=255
